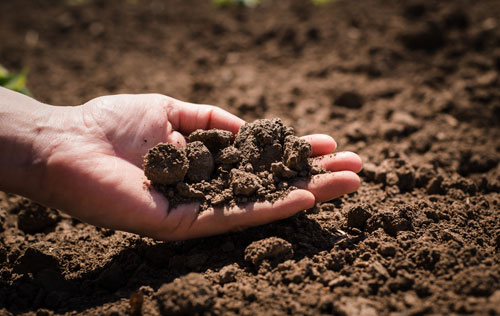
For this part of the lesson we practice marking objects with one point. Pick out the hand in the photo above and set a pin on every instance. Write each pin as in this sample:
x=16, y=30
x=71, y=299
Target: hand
x=94, y=169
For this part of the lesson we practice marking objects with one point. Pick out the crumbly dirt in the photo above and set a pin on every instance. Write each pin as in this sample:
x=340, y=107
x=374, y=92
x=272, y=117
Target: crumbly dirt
x=412, y=86
x=261, y=165
x=165, y=164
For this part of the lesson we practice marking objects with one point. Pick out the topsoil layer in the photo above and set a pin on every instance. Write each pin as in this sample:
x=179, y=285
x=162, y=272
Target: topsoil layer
x=412, y=86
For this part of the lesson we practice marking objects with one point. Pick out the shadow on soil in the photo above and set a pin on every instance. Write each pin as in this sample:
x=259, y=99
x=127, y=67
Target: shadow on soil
x=151, y=265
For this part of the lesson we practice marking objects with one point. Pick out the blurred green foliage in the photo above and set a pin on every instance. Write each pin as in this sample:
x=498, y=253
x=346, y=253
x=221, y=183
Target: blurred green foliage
x=14, y=80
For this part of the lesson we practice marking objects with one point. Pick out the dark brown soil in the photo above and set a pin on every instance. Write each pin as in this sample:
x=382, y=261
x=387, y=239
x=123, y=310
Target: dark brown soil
x=261, y=165
x=412, y=86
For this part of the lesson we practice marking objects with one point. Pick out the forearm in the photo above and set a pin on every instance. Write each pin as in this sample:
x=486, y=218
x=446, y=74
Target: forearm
x=25, y=126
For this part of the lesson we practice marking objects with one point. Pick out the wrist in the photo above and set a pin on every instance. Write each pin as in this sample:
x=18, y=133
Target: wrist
x=30, y=132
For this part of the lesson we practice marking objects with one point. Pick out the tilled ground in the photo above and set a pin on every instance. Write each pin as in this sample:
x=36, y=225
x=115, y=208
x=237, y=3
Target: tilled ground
x=412, y=86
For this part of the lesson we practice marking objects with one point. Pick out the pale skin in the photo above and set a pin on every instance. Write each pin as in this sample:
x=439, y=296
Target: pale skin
x=87, y=161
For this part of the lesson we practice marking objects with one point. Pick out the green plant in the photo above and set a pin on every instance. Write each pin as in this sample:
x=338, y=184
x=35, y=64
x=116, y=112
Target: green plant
x=14, y=80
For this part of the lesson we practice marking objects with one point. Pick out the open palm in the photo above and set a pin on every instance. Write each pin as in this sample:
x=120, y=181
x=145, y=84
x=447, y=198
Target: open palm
x=95, y=170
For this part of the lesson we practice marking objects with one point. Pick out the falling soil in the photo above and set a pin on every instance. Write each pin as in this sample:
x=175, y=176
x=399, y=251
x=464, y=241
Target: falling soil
x=261, y=165
x=412, y=86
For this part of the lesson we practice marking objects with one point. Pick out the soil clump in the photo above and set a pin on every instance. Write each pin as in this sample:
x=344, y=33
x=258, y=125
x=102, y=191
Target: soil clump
x=261, y=165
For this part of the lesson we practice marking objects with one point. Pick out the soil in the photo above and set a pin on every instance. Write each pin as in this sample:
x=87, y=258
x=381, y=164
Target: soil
x=412, y=86
x=261, y=165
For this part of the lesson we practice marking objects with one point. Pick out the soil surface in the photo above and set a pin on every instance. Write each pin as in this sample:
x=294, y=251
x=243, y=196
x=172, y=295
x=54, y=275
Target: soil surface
x=412, y=86
x=262, y=165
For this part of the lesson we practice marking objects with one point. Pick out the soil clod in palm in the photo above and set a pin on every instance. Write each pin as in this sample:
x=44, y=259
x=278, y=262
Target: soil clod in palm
x=213, y=171
x=166, y=164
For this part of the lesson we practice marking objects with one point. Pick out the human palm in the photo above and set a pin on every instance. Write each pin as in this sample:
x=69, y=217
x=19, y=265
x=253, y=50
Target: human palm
x=95, y=169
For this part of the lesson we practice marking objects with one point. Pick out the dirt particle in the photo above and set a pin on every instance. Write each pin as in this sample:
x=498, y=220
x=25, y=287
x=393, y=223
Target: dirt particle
x=34, y=260
x=387, y=249
x=165, y=164
x=410, y=123
x=201, y=162
x=188, y=295
x=406, y=178
x=370, y=172
x=214, y=139
x=339, y=281
x=464, y=184
x=414, y=10
x=244, y=183
x=422, y=288
x=261, y=143
x=35, y=218
x=356, y=132
x=401, y=124
x=435, y=185
x=356, y=306
x=429, y=37
x=476, y=281
x=427, y=257
x=391, y=221
x=424, y=174
x=456, y=19
x=228, y=156
x=273, y=249
x=296, y=152
x=357, y=216
x=136, y=300
x=313, y=34
x=44, y=312
x=188, y=192
x=402, y=282
x=380, y=270
x=477, y=162
x=281, y=171
x=228, y=274
x=350, y=99
x=217, y=199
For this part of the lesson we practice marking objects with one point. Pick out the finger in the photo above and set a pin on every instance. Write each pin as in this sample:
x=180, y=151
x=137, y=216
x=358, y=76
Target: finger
x=339, y=161
x=176, y=138
x=187, y=117
x=220, y=220
x=321, y=144
x=328, y=186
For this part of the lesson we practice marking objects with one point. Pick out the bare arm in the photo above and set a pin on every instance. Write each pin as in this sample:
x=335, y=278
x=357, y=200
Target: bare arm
x=25, y=125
